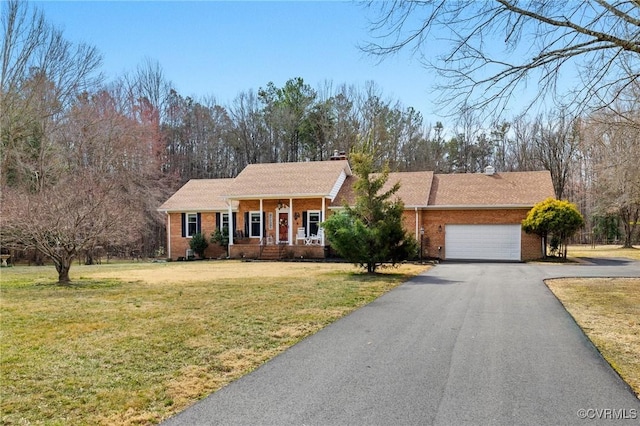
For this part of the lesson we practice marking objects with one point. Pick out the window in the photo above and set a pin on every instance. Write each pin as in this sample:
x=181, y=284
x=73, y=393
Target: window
x=254, y=228
x=313, y=222
x=191, y=224
x=224, y=221
x=223, y=224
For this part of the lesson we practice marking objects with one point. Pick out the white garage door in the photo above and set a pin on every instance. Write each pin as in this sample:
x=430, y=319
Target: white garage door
x=482, y=242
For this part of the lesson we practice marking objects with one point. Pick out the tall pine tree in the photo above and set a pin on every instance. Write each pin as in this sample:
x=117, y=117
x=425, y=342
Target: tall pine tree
x=370, y=232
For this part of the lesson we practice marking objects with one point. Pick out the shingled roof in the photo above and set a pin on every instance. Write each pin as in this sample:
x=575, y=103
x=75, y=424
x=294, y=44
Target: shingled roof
x=198, y=195
x=512, y=189
x=333, y=179
x=414, y=189
x=284, y=180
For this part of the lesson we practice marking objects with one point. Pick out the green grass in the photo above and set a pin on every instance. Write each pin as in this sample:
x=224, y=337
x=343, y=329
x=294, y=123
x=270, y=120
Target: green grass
x=134, y=343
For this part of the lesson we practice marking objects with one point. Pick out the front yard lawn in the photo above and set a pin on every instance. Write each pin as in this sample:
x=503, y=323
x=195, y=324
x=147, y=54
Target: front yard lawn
x=132, y=344
x=608, y=311
x=603, y=251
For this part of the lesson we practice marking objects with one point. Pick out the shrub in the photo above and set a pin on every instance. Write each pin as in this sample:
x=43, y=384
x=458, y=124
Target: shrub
x=198, y=244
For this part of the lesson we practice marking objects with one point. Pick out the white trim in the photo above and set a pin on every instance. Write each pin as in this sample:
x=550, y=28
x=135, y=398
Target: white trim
x=322, y=219
x=274, y=196
x=259, y=213
x=291, y=221
x=186, y=224
x=460, y=207
x=481, y=207
x=199, y=210
x=261, y=222
x=231, y=228
x=229, y=220
x=309, y=212
x=406, y=207
x=337, y=185
x=169, y=236
x=277, y=224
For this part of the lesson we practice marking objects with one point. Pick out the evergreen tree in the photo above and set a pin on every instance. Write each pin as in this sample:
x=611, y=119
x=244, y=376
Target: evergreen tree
x=199, y=244
x=370, y=232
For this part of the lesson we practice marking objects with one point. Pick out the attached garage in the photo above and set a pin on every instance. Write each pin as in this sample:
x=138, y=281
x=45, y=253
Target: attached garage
x=483, y=242
x=478, y=216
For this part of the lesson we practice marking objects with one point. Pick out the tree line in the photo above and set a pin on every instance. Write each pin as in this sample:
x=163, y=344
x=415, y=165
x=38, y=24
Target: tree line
x=98, y=157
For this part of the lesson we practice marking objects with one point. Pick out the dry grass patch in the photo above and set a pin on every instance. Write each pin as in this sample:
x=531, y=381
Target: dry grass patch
x=131, y=344
x=180, y=272
x=603, y=251
x=608, y=310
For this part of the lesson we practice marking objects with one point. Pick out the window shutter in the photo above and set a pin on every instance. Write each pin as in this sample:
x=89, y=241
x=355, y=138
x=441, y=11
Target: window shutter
x=199, y=222
x=264, y=224
x=304, y=223
x=234, y=221
x=184, y=225
x=218, y=221
x=246, y=224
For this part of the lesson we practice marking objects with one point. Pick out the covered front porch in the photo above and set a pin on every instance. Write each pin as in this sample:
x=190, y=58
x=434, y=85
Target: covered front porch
x=279, y=228
x=277, y=251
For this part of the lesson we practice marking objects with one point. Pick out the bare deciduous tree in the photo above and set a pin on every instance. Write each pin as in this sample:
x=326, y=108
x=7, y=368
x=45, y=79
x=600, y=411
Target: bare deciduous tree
x=40, y=77
x=74, y=216
x=494, y=48
x=104, y=192
x=556, y=144
x=613, y=139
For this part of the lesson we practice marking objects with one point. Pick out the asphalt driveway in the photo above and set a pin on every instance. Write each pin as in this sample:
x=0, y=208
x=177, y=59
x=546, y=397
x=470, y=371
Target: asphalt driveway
x=478, y=344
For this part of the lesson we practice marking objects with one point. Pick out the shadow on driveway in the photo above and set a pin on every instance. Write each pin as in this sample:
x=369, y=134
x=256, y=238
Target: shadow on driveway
x=609, y=261
x=429, y=279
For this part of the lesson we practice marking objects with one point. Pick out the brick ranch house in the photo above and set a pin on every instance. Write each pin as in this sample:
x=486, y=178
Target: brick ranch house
x=273, y=211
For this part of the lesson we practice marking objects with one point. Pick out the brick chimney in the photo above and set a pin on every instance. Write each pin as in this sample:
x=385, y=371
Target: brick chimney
x=338, y=155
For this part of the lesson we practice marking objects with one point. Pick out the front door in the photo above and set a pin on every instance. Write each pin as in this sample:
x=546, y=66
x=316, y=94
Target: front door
x=283, y=227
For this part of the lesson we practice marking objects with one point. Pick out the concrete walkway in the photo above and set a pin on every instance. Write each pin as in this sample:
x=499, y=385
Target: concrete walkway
x=476, y=344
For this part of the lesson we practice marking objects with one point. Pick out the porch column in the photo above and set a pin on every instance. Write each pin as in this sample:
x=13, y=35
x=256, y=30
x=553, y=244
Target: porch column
x=322, y=220
x=261, y=224
x=290, y=230
x=230, y=228
x=276, y=225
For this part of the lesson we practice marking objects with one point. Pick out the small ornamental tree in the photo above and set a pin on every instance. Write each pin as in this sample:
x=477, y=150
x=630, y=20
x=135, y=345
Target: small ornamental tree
x=67, y=219
x=370, y=233
x=554, y=218
x=199, y=244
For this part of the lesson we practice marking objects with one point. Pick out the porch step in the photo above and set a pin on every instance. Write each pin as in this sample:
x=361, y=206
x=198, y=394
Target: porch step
x=271, y=252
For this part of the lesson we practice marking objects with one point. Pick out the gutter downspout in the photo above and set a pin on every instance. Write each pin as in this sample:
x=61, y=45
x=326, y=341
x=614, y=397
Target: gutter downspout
x=168, y=234
x=231, y=225
x=322, y=220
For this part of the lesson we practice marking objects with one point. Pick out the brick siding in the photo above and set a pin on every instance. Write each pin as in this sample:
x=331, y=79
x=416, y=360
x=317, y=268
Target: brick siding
x=434, y=222
x=179, y=244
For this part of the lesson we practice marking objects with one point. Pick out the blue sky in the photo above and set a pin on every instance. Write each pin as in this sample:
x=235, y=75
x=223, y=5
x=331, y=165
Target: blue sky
x=210, y=48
